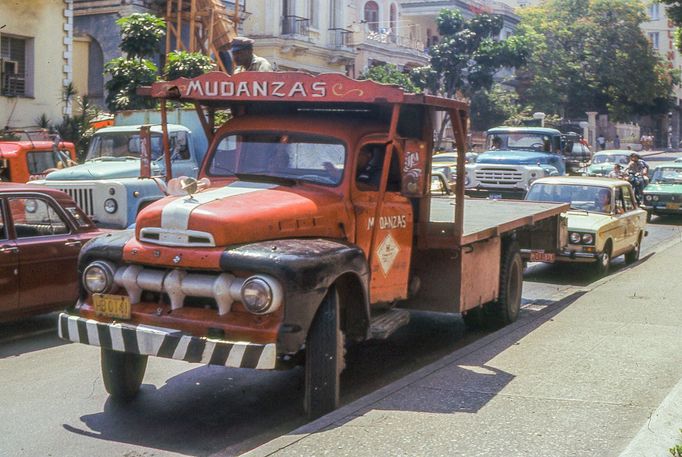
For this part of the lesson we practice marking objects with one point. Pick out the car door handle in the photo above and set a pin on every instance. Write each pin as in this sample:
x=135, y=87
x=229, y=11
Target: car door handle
x=8, y=249
x=72, y=243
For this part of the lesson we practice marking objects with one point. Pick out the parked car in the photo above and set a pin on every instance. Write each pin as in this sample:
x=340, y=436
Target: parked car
x=41, y=234
x=663, y=195
x=603, y=222
x=603, y=161
x=444, y=171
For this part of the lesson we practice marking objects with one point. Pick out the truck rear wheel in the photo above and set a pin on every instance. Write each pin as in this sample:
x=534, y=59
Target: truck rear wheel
x=506, y=309
x=324, y=358
x=122, y=373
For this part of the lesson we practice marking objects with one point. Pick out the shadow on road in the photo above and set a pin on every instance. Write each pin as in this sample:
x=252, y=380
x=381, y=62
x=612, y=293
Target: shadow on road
x=29, y=335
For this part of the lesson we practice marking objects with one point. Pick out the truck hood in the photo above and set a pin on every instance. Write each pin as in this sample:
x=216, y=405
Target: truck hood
x=656, y=188
x=513, y=157
x=587, y=221
x=100, y=169
x=243, y=212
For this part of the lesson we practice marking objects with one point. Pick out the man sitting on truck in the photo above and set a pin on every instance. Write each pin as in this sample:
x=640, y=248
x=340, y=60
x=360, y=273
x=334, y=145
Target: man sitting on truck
x=370, y=159
x=245, y=59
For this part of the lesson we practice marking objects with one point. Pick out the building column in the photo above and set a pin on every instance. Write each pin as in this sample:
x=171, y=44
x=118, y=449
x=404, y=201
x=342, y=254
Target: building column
x=592, y=129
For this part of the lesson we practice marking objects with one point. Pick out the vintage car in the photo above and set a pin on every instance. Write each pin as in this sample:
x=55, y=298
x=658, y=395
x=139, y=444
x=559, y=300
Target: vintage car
x=41, y=234
x=603, y=222
x=444, y=171
x=663, y=195
x=603, y=161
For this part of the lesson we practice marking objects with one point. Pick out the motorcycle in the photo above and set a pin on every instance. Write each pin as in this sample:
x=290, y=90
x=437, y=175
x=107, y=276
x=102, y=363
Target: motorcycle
x=638, y=183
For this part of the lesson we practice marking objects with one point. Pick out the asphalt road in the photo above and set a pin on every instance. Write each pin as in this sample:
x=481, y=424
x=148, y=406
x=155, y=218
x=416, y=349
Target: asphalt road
x=53, y=401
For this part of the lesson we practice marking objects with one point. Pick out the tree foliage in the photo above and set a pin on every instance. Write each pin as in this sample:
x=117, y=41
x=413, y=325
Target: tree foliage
x=141, y=34
x=186, y=64
x=126, y=76
x=390, y=74
x=591, y=55
x=492, y=107
x=468, y=54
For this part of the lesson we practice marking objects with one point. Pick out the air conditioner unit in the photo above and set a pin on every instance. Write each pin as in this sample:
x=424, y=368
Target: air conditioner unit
x=9, y=67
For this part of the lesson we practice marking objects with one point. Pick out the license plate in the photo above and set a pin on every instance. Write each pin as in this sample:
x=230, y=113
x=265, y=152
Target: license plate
x=496, y=196
x=117, y=306
x=542, y=257
x=672, y=206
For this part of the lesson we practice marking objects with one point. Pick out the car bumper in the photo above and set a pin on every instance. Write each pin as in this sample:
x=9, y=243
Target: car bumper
x=661, y=209
x=577, y=257
x=516, y=194
x=166, y=343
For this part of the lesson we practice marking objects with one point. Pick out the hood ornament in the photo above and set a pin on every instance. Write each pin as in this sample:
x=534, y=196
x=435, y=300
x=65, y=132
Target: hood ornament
x=186, y=185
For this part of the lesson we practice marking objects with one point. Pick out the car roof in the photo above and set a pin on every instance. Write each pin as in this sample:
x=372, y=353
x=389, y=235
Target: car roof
x=581, y=181
x=626, y=152
x=674, y=164
x=541, y=130
x=10, y=187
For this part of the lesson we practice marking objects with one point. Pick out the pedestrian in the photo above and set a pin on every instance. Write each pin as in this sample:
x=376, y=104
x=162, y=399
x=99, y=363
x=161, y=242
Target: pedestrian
x=616, y=142
x=601, y=141
x=245, y=59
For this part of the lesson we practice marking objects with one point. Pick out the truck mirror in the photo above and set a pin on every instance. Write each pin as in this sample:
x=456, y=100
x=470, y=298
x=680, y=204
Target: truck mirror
x=413, y=169
x=145, y=152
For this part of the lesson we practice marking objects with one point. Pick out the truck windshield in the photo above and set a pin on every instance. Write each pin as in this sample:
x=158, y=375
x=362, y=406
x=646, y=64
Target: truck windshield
x=523, y=141
x=121, y=144
x=300, y=157
x=39, y=161
x=589, y=198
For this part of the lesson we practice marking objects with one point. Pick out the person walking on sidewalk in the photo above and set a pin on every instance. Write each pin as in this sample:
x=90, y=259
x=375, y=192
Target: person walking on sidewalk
x=601, y=141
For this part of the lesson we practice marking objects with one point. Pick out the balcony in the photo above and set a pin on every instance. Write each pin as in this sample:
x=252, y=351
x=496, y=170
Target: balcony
x=379, y=35
x=340, y=38
x=296, y=26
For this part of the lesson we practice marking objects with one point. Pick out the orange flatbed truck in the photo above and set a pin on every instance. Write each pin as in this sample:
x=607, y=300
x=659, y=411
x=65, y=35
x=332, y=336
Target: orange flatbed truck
x=311, y=227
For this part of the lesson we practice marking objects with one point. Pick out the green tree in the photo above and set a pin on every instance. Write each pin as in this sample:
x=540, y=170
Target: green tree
x=141, y=34
x=591, y=55
x=186, y=64
x=390, y=74
x=493, y=107
x=126, y=76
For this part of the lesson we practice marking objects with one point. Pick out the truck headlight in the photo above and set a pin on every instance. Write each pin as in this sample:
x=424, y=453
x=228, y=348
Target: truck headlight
x=110, y=205
x=98, y=277
x=261, y=294
x=30, y=205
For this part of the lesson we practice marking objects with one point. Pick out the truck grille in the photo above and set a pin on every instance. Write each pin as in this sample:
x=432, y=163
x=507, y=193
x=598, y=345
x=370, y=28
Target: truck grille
x=498, y=176
x=83, y=198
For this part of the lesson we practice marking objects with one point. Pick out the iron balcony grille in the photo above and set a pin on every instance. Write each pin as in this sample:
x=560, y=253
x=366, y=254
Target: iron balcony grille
x=340, y=38
x=498, y=176
x=83, y=198
x=295, y=25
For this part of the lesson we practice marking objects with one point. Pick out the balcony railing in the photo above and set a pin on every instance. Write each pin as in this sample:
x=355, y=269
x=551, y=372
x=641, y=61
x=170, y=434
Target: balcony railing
x=373, y=33
x=340, y=38
x=296, y=25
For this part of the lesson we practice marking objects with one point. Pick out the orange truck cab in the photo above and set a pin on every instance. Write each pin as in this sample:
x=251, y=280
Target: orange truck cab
x=311, y=227
x=25, y=160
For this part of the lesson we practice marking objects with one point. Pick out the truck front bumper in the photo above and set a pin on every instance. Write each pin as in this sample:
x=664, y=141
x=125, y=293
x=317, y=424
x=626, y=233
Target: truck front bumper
x=481, y=192
x=166, y=343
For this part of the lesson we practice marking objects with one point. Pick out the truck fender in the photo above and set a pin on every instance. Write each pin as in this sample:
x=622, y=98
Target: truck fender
x=306, y=268
x=104, y=247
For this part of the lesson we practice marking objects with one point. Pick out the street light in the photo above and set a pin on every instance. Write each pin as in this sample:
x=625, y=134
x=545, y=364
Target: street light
x=541, y=116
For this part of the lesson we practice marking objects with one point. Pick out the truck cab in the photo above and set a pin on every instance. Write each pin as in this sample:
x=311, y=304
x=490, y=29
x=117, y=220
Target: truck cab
x=26, y=158
x=513, y=159
x=107, y=185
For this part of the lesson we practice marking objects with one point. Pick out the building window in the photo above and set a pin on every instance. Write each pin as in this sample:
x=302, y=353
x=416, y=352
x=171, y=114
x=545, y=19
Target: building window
x=393, y=17
x=372, y=16
x=15, y=71
x=654, y=14
x=653, y=37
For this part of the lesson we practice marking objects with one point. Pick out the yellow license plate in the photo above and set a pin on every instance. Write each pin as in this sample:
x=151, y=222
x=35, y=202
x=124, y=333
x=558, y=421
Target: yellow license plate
x=672, y=206
x=112, y=305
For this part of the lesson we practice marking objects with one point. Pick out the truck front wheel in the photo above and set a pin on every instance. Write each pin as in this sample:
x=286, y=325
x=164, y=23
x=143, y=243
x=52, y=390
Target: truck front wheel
x=506, y=309
x=122, y=373
x=324, y=358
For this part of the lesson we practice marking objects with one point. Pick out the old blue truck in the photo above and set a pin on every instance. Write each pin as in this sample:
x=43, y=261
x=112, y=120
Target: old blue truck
x=514, y=158
x=108, y=186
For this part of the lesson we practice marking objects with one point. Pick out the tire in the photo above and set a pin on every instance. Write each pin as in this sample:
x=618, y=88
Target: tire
x=122, y=373
x=506, y=309
x=633, y=256
x=601, y=266
x=324, y=358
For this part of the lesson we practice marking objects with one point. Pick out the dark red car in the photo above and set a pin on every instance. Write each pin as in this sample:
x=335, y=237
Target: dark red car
x=41, y=233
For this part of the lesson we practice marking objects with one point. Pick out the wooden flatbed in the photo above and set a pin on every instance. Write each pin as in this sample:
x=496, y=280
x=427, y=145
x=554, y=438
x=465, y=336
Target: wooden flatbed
x=484, y=219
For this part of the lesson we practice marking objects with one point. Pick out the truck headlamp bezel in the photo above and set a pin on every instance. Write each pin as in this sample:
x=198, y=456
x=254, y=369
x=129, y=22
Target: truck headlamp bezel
x=98, y=277
x=261, y=294
x=110, y=205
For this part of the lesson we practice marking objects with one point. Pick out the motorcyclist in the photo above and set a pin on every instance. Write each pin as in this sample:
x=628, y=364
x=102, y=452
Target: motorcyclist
x=638, y=174
x=618, y=172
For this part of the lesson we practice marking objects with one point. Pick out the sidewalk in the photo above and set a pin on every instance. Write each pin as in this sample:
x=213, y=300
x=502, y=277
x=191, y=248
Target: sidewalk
x=597, y=374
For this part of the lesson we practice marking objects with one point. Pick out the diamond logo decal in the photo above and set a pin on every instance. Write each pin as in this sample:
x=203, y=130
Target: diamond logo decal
x=387, y=252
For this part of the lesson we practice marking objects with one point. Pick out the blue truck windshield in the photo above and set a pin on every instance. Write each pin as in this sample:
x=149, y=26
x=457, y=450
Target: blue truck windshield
x=523, y=141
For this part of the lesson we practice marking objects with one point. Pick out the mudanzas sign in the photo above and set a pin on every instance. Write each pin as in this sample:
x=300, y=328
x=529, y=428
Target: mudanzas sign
x=285, y=86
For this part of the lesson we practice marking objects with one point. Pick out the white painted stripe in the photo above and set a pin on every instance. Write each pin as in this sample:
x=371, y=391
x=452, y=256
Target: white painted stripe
x=268, y=358
x=116, y=332
x=236, y=355
x=181, y=348
x=148, y=341
x=93, y=336
x=208, y=351
x=175, y=215
x=73, y=329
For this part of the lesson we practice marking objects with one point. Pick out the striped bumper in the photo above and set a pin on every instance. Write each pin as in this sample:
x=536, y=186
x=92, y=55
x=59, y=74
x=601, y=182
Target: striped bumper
x=167, y=343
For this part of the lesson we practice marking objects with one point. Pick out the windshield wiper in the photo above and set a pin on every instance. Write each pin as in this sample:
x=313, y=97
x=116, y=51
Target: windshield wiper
x=266, y=178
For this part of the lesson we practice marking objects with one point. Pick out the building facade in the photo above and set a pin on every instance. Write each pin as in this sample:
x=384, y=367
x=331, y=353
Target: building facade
x=36, y=61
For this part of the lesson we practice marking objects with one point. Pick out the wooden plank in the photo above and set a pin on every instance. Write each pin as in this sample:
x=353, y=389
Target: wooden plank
x=487, y=218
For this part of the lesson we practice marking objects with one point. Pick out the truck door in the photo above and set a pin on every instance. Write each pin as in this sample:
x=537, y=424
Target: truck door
x=9, y=262
x=390, y=255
